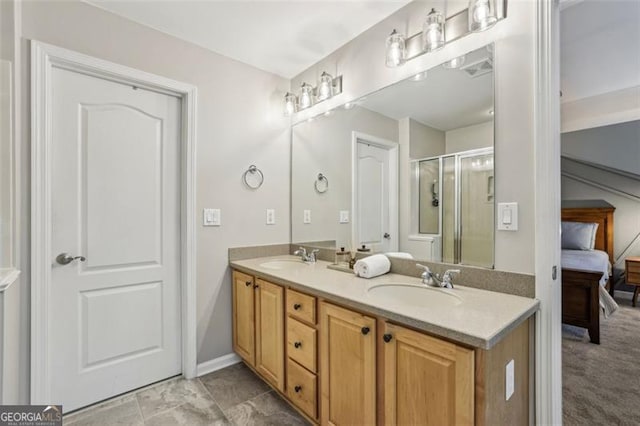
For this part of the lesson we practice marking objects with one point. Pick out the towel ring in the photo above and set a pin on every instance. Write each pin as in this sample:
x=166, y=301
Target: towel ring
x=321, y=184
x=253, y=177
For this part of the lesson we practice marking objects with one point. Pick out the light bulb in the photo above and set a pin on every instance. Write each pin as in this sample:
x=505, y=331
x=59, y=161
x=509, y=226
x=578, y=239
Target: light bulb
x=482, y=15
x=325, y=87
x=290, y=104
x=420, y=76
x=433, y=31
x=455, y=62
x=396, y=51
x=306, y=96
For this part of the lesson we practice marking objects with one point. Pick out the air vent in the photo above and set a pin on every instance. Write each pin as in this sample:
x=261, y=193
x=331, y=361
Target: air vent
x=477, y=69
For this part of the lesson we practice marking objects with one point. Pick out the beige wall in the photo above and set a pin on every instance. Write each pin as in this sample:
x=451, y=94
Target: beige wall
x=470, y=137
x=361, y=63
x=616, y=146
x=240, y=122
x=425, y=141
x=324, y=146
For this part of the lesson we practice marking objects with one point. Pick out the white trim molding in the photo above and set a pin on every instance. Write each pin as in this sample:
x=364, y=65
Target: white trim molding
x=548, y=348
x=44, y=58
x=217, y=364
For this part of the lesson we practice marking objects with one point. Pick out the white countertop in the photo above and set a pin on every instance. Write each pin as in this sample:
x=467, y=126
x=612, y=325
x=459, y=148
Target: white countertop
x=481, y=320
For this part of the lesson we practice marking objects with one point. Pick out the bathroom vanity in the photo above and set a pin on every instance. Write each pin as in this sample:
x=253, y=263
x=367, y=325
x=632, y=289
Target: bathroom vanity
x=345, y=350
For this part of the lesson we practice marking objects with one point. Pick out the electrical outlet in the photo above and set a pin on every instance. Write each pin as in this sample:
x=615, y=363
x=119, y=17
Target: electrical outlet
x=306, y=216
x=211, y=217
x=509, y=380
x=344, y=216
x=271, y=217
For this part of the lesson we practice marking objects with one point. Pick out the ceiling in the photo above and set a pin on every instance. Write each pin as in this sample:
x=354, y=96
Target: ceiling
x=282, y=37
x=447, y=99
x=600, y=47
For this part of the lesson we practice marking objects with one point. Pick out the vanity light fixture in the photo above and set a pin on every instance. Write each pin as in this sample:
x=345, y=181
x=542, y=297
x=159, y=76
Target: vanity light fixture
x=396, y=50
x=455, y=63
x=482, y=15
x=306, y=96
x=439, y=31
x=433, y=31
x=325, y=87
x=290, y=104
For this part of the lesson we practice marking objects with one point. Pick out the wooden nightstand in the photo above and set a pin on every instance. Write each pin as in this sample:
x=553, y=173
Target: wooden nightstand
x=632, y=273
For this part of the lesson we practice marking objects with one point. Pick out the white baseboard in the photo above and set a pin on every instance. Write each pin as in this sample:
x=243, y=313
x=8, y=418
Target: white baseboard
x=217, y=364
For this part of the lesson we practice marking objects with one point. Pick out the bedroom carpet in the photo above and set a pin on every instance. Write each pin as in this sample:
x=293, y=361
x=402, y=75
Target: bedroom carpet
x=601, y=383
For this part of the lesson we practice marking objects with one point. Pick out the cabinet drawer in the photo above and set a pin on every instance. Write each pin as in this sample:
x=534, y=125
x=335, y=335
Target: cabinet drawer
x=301, y=343
x=633, y=277
x=301, y=306
x=302, y=389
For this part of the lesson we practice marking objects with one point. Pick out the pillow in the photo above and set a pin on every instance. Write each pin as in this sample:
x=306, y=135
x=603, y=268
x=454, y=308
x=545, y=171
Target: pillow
x=579, y=235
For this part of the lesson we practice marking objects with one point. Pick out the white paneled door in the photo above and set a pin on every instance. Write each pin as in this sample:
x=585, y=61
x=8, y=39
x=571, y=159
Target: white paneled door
x=115, y=219
x=375, y=204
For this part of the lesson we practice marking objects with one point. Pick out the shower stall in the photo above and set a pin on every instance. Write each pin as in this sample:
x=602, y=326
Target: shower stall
x=456, y=205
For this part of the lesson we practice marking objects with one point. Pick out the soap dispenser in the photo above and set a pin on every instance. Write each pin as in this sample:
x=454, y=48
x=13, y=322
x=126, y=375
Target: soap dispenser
x=342, y=257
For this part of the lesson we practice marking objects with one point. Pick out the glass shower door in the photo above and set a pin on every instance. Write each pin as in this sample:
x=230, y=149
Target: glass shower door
x=476, y=210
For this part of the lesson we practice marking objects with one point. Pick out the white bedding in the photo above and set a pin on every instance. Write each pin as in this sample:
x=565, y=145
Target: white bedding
x=592, y=260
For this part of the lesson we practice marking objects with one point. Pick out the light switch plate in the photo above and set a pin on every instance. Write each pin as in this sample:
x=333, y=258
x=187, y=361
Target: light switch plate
x=306, y=216
x=211, y=217
x=344, y=216
x=509, y=380
x=271, y=217
x=508, y=216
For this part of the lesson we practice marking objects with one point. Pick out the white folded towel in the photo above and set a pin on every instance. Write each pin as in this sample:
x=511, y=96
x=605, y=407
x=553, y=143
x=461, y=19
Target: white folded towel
x=372, y=266
x=399, y=254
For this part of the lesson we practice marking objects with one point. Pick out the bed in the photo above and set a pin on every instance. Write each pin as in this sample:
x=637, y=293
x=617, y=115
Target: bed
x=586, y=273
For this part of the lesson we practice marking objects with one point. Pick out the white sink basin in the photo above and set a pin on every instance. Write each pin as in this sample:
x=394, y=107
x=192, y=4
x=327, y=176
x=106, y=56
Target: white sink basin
x=415, y=295
x=281, y=264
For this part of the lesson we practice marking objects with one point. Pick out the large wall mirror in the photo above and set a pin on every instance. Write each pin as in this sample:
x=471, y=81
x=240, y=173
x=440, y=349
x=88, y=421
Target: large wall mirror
x=406, y=169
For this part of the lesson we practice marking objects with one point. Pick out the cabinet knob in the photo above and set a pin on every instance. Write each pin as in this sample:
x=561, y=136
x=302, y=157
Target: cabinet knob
x=297, y=388
x=256, y=286
x=297, y=344
x=387, y=337
x=297, y=306
x=365, y=330
x=248, y=283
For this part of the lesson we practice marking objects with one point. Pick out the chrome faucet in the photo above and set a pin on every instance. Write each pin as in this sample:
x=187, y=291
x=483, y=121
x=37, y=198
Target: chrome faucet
x=306, y=257
x=434, y=280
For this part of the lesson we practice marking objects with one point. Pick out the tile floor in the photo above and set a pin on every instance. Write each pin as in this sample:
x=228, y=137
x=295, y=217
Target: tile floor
x=231, y=396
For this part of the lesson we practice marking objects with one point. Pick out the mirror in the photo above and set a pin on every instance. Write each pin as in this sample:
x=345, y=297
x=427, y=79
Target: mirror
x=407, y=169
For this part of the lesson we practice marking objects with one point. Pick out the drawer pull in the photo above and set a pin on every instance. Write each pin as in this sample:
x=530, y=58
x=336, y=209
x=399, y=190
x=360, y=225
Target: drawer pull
x=297, y=306
x=297, y=388
x=297, y=345
x=387, y=338
x=365, y=330
x=248, y=283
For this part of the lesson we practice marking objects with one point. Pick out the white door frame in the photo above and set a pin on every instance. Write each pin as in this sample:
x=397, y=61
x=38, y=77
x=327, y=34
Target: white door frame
x=392, y=147
x=548, y=350
x=43, y=58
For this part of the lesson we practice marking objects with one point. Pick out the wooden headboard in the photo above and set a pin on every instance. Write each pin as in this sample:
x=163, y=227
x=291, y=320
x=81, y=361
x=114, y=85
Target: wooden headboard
x=593, y=211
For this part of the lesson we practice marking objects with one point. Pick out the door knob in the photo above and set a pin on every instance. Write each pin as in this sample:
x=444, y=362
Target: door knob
x=66, y=258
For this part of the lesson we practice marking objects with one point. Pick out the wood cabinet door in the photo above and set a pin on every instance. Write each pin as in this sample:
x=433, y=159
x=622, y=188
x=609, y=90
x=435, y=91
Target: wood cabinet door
x=270, y=332
x=427, y=381
x=348, y=367
x=244, y=316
